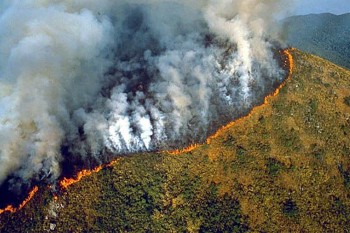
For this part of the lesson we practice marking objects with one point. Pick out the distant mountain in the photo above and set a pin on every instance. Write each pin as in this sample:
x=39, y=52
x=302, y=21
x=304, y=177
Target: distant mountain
x=325, y=35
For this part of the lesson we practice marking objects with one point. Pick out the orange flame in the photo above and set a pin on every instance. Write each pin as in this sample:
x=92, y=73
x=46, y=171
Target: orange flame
x=288, y=62
x=30, y=196
x=66, y=182
x=184, y=150
x=12, y=209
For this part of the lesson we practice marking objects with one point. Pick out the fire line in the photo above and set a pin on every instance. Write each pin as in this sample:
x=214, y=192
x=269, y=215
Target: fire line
x=12, y=209
x=66, y=182
x=288, y=62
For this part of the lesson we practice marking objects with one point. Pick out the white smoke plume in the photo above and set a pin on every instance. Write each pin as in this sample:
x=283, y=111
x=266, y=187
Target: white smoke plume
x=82, y=79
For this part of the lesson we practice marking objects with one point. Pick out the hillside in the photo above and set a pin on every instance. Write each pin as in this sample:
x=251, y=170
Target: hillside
x=284, y=168
x=325, y=35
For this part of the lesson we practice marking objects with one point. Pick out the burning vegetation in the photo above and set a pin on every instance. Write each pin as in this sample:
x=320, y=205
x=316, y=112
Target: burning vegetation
x=288, y=64
x=66, y=182
x=152, y=76
x=12, y=209
x=174, y=84
x=286, y=167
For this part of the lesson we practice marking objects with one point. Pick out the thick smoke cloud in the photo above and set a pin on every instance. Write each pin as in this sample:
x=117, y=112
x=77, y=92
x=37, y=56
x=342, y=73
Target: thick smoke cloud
x=82, y=79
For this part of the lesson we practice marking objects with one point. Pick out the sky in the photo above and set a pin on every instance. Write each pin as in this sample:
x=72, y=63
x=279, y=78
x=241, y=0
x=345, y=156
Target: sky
x=320, y=6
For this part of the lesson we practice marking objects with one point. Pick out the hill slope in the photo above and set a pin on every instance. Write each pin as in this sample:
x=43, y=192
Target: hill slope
x=284, y=168
x=325, y=35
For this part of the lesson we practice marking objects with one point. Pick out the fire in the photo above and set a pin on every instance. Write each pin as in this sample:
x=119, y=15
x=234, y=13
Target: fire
x=288, y=62
x=30, y=196
x=111, y=163
x=9, y=208
x=184, y=150
x=12, y=209
x=66, y=182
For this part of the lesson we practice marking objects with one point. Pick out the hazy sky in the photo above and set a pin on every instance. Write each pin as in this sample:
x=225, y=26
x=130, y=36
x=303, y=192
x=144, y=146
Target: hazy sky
x=320, y=6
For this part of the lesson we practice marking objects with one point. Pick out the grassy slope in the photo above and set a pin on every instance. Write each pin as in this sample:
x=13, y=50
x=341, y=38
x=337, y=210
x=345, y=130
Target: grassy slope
x=325, y=35
x=285, y=168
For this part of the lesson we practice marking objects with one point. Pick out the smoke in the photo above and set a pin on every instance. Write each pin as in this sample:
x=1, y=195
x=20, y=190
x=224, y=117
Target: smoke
x=83, y=79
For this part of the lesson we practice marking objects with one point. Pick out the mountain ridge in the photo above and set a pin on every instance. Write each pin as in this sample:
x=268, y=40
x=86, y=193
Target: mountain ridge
x=325, y=35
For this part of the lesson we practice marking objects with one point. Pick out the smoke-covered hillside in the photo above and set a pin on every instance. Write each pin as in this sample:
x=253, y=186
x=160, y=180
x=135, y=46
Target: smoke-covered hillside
x=325, y=35
x=283, y=169
x=82, y=80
